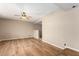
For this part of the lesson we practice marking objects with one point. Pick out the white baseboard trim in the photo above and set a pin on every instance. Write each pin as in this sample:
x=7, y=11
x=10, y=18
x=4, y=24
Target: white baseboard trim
x=61, y=47
x=52, y=44
x=15, y=38
x=73, y=49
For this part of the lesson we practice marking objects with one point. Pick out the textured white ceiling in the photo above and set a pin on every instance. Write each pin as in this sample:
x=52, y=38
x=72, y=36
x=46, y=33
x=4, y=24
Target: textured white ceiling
x=36, y=10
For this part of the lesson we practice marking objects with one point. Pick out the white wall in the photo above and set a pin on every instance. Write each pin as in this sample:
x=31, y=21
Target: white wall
x=62, y=27
x=10, y=29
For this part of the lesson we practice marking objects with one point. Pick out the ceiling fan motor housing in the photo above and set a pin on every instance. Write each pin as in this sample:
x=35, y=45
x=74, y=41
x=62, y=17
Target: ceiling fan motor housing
x=23, y=14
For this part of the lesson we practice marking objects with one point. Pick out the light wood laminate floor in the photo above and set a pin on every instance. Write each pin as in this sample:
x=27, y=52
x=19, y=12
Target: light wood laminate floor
x=27, y=47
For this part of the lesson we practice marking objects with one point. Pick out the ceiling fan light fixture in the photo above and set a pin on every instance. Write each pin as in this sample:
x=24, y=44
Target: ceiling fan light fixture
x=24, y=14
x=23, y=18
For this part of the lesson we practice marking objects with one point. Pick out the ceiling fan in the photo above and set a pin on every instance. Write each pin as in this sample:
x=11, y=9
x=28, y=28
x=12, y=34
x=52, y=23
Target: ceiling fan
x=24, y=15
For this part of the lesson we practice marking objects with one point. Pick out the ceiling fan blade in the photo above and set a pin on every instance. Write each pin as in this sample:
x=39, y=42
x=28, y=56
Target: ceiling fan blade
x=17, y=15
x=30, y=16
